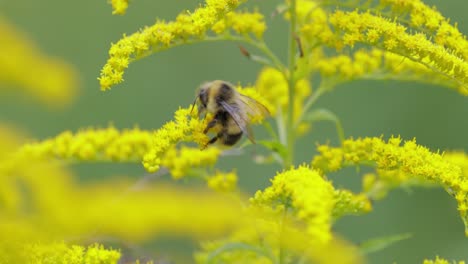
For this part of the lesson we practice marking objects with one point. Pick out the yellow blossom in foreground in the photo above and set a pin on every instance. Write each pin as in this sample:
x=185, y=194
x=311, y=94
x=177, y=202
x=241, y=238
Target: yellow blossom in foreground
x=60, y=253
x=181, y=161
x=162, y=35
x=23, y=67
x=439, y=260
x=413, y=160
x=59, y=208
x=119, y=6
x=308, y=194
x=223, y=182
x=391, y=36
x=108, y=144
x=262, y=240
x=185, y=127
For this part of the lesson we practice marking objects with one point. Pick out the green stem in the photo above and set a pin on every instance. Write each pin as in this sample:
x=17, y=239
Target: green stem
x=312, y=99
x=291, y=84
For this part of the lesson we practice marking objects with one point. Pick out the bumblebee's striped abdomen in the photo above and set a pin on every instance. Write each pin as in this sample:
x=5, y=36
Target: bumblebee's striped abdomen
x=230, y=139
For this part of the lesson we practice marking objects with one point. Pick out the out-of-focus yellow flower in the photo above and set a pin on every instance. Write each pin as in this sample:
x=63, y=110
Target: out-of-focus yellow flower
x=162, y=35
x=223, y=182
x=389, y=35
x=242, y=23
x=22, y=65
x=274, y=88
x=348, y=203
x=181, y=161
x=107, y=144
x=414, y=160
x=378, y=64
x=308, y=194
x=118, y=6
x=262, y=240
x=440, y=260
x=61, y=253
x=185, y=127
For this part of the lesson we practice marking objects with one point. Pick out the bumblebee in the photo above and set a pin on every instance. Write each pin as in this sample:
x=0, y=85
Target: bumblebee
x=231, y=111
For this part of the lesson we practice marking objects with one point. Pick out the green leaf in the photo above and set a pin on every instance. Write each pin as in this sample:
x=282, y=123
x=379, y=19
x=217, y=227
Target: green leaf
x=377, y=244
x=276, y=147
x=323, y=114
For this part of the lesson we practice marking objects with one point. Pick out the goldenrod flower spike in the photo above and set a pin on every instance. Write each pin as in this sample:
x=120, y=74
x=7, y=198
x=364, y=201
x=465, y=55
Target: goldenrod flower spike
x=163, y=35
x=429, y=20
x=305, y=192
x=108, y=144
x=391, y=36
x=380, y=65
x=119, y=7
x=415, y=161
x=47, y=79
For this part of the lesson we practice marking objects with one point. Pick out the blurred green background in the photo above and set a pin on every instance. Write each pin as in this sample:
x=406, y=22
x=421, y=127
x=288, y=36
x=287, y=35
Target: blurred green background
x=81, y=32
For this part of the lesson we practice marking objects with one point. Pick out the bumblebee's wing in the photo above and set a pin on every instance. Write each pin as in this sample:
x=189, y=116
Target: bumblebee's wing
x=253, y=107
x=240, y=120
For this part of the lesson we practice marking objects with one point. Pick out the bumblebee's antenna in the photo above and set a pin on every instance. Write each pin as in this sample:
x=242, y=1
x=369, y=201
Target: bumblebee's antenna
x=193, y=104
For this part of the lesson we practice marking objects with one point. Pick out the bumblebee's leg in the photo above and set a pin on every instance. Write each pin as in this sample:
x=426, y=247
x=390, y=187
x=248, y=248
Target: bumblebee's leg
x=210, y=125
x=213, y=140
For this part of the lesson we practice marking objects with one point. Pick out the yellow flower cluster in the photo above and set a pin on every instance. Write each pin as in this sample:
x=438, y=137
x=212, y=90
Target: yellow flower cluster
x=185, y=127
x=378, y=64
x=181, y=161
x=413, y=160
x=274, y=89
x=22, y=65
x=423, y=16
x=348, y=203
x=223, y=182
x=440, y=260
x=242, y=23
x=162, y=36
x=119, y=6
x=391, y=36
x=91, y=145
x=306, y=192
x=61, y=253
